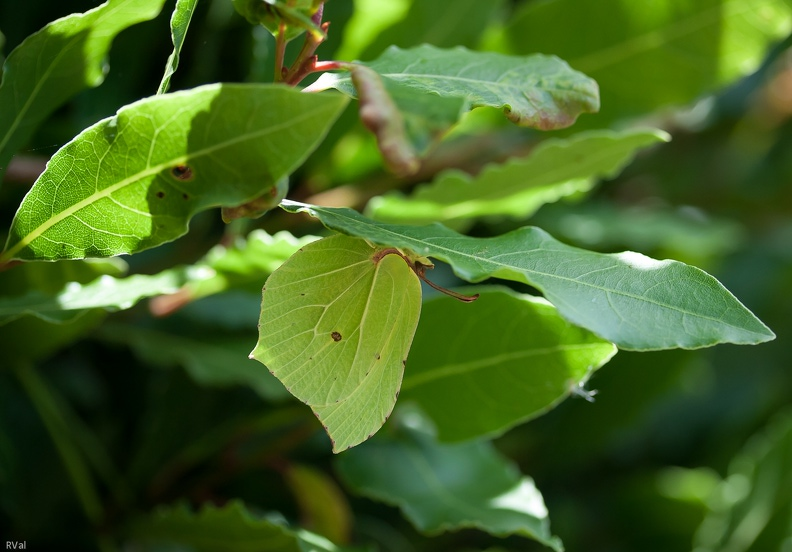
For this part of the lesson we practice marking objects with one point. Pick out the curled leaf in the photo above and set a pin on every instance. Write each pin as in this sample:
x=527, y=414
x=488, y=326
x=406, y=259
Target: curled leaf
x=379, y=114
x=255, y=208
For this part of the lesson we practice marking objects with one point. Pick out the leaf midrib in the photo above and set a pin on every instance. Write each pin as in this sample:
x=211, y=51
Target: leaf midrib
x=466, y=368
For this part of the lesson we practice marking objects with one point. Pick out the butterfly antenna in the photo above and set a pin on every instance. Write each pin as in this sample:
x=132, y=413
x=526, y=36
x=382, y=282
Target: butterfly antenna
x=420, y=270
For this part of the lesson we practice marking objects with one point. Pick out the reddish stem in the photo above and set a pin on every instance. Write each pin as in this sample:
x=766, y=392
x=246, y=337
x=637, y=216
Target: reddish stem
x=280, y=51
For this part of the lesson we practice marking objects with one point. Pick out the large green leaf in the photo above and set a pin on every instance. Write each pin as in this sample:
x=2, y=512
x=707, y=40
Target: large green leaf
x=627, y=298
x=555, y=169
x=478, y=369
x=446, y=487
x=133, y=181
x=751, y=510
x=66, y=292
x=58, y=61
x=337, y=320
x=231, y=528
x=645, y=56
x=180, y=22
x=536, y=91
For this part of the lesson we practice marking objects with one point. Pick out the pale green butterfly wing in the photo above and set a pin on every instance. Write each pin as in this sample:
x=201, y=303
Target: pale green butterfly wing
x=337, y=321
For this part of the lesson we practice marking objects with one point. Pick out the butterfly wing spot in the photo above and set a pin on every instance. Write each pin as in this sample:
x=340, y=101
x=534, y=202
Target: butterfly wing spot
x=182, y=172
x=336, y=336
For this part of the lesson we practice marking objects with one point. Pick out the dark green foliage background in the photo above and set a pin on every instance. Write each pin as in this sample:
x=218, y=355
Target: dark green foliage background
x=719, y=196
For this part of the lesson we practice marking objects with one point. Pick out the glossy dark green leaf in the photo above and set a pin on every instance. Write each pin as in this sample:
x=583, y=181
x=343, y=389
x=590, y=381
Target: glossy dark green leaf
x=627, y=298
x=134, y=180
x=517, y=188
x=478, y=369
x=447, y=487
x=180, y=22
x=645, y=56
x=535, y=91
x=52, y=65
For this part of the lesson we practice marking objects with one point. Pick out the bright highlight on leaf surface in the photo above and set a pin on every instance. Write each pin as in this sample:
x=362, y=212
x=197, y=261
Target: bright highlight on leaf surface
x=337, y=321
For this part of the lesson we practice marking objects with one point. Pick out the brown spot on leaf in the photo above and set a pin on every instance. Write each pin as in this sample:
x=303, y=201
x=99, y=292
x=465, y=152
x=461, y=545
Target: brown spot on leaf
x=377, y=356
x=185, y=196
x=160, y=194
x=182, y=172
x=336, y=336
x=404, y=362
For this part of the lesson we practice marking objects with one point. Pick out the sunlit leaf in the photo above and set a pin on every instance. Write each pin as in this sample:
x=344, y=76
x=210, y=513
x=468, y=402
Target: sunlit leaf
x=555, y=169
x=536, y=91
x=627, y=298
x=337, y=320
x=180, y=22
x=478, y=369
x=134, y=180
x=52, y=65
x=245, y=265
x=645, y=56
x=448, y=487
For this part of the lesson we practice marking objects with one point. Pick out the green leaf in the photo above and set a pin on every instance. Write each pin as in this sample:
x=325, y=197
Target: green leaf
x=504, y=359
x=379, y=114
x=133, y=181
x=460, y=26
x=555, y=169
x=231, y=528
x=213, y=360
x=245, y=264
x=323, y=506
x=180, y=22
x=647, y=56
x=58, y=61
x=68, y=293
x=751, y=510
x=536, y=91
x=627, y=298
x=337, y=320
x=447, y=487
x=294, y=14
x=74, y=298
